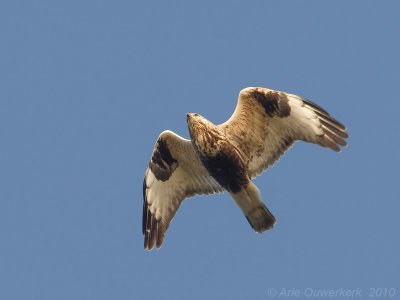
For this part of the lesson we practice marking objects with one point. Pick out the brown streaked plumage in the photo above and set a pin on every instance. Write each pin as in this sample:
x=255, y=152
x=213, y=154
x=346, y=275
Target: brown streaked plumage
x=222, y=157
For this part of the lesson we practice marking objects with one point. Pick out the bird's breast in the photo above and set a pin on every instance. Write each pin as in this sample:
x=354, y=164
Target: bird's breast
x=208, y=142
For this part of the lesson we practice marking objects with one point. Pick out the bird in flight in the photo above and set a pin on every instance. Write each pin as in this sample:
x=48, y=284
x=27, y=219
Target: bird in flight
x=223, y=157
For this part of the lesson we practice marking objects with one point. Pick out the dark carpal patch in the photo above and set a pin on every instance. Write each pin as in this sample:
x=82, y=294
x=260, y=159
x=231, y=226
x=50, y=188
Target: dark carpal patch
x=162, y=164
x=227, y=168
x=275, y=103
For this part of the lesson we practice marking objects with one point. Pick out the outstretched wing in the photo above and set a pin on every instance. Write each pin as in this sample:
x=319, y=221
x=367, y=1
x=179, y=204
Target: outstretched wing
x=266, y=123
x=175, y=172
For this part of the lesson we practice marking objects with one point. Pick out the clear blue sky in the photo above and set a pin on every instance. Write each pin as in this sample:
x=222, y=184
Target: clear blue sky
x=87, y=86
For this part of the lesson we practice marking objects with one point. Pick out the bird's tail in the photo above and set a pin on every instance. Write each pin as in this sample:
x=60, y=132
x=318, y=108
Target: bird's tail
x=258, y=215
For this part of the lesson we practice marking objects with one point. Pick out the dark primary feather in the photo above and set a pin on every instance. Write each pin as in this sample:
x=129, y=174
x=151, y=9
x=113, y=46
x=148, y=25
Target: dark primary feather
x=153, y=230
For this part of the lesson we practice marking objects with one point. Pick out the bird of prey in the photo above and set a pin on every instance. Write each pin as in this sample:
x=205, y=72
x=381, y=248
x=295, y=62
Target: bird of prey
x=222, y=157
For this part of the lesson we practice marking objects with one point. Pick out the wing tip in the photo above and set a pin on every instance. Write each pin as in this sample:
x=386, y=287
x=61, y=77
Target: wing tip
x=153, y=230
x=334, y=132
x=322, y=113
x=154, y=236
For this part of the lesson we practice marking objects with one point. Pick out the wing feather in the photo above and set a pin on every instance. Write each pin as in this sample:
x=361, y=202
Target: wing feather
x=175, y=172
x=266, y=123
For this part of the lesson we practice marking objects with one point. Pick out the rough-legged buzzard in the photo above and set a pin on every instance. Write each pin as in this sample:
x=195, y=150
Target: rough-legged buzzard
x=222, y=157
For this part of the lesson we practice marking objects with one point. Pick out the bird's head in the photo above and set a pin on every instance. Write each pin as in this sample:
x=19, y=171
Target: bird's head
x=193, y=117
x=202, y=132
x=196, y=124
